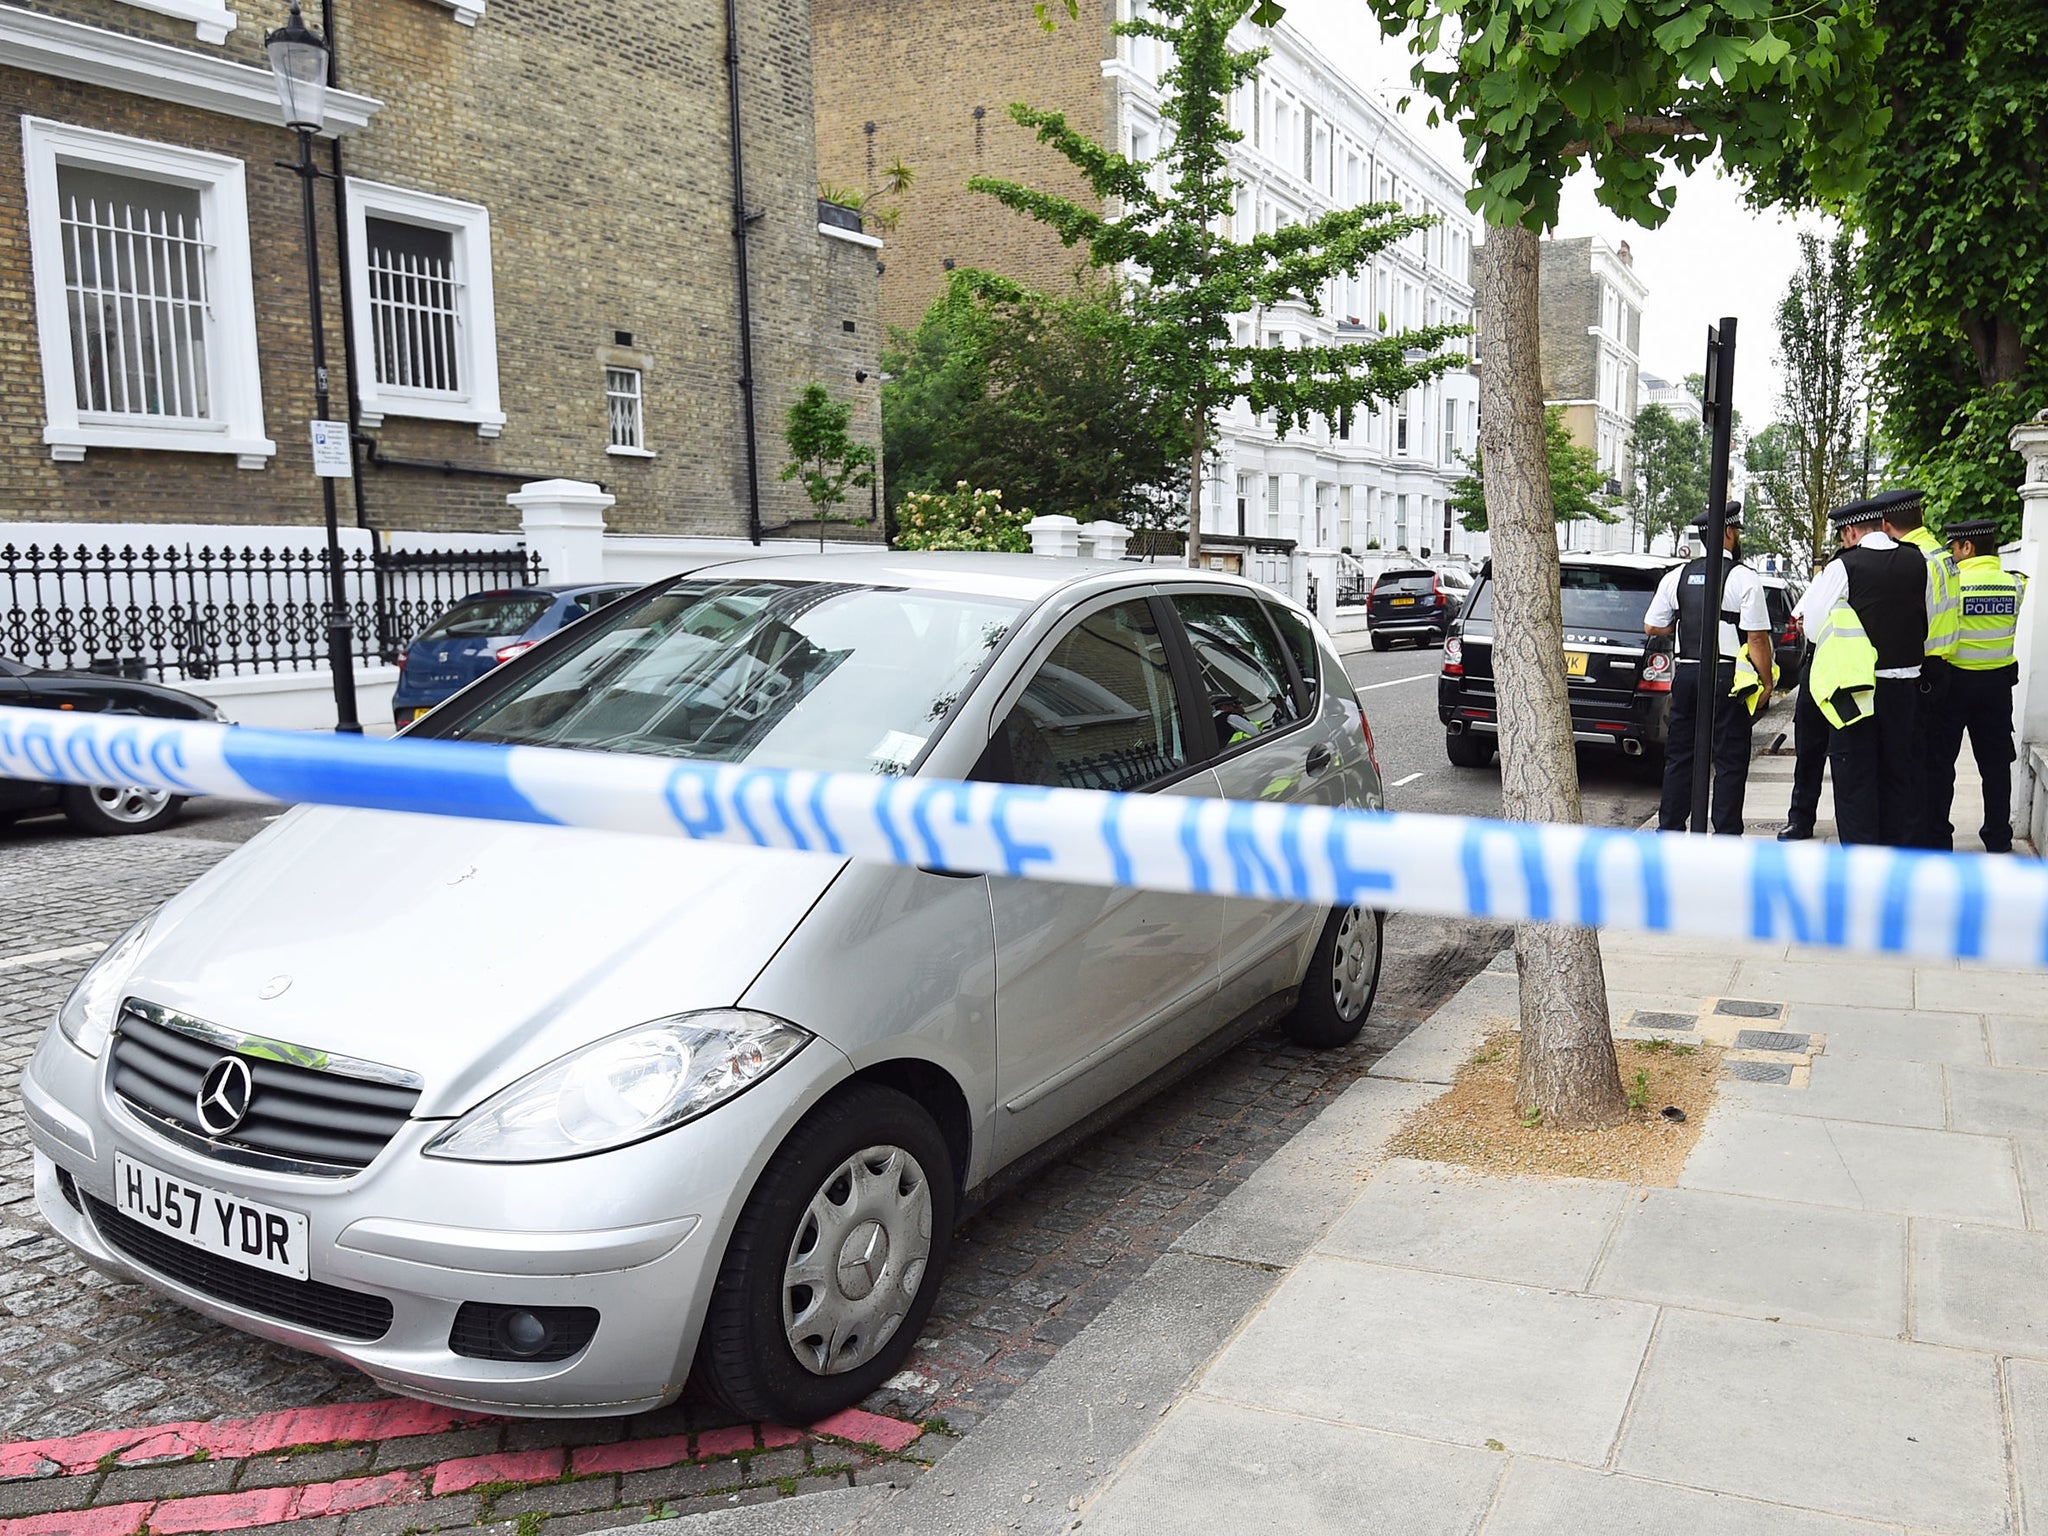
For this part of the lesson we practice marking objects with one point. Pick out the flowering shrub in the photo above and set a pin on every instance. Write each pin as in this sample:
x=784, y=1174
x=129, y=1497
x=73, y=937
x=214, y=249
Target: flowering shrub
x=961, y=518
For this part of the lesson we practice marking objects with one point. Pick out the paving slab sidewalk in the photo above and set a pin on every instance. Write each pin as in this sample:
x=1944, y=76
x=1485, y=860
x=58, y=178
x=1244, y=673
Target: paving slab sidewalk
x=1833, y=1325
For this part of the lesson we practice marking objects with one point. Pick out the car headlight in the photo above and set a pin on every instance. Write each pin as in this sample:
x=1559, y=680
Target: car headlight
x=88, y=1014
x=623, y=1089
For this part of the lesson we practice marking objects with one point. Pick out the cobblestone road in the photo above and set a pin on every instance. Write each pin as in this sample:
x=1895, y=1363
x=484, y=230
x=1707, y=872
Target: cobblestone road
x=79, y=1352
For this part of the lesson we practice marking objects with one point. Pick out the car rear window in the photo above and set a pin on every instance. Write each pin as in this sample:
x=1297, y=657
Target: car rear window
x=1408, y=581
x=1610, y=598
x=489, y=616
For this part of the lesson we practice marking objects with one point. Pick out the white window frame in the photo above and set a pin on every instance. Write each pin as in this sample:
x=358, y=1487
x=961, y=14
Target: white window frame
x=213, y=20
x=477, y=332
x=638, y=450
x=234, y=388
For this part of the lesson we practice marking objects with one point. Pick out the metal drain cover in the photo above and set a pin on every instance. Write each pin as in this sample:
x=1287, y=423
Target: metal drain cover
x=1770, y=1040
x=1743, y=1009
x=1758, y=1071
x=1675, y=1021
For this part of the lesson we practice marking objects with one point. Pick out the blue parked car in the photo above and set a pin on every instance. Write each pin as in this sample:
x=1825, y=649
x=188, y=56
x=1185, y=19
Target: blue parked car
x=481, y=631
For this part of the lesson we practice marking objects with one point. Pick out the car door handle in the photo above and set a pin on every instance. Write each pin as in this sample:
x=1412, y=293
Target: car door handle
x=1319, y=758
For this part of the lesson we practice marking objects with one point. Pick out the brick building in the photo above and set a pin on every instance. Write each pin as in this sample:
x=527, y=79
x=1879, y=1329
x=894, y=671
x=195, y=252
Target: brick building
x=1590, y=308
x=930, y=82
x=528, y=263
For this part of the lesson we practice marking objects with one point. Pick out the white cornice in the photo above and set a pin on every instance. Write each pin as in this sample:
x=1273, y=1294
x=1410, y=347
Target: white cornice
x=468, y=12
x=72, y=50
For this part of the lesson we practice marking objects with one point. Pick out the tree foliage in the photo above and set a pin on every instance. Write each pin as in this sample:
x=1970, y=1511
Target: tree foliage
x=1044, y=399
x=823, y=455
x=1671, y=472
x=1775, y=520
x=1816, y=457
x=1166, y=222
x=880, y=206
x=1576, y=481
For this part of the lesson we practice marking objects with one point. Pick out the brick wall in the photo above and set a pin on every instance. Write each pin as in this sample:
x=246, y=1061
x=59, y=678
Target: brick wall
x=597, y=138
x=1568, y=306
x=906, y=79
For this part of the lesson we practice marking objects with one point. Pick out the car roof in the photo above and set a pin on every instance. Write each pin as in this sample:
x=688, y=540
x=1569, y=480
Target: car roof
x=1628, y=561
x=1025, y=578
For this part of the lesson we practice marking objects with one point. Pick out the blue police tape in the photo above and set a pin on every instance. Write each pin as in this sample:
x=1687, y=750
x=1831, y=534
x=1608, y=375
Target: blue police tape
x=1880, y=900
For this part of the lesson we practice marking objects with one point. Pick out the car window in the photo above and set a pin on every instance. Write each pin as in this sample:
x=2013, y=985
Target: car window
x=1239, y=665
x=1100, y=713
x=1779, y=602
x=780, y=674
x=1596, y=597
x=589, y=602
x=489, y=616
x=1301, y=645
x=1408, y=581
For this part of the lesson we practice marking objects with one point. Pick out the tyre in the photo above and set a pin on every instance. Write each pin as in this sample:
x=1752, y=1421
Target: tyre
x=1381, y=643
x=1343, y=975
x=835, y=1261
x=1468, y=749
x=106, y=811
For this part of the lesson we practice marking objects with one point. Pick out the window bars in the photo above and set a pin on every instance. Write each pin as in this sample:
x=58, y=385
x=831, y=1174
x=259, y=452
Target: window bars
x=135, y=260
x=622, y=406
x=415, y=307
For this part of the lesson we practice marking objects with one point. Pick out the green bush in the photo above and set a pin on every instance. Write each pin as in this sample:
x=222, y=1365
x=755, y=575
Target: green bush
x=961, y=518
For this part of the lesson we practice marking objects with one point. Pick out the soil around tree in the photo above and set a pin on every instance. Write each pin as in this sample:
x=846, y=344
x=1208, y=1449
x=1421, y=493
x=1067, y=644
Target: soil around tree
x=1475, y=1124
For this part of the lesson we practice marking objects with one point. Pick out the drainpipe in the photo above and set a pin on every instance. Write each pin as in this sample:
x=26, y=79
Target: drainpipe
x=740, y=220
x=348, y=307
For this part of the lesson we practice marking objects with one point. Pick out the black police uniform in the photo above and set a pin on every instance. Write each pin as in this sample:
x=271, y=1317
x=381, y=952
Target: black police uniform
x=1732, y=719
x=1874, y=761
x=1809, y=755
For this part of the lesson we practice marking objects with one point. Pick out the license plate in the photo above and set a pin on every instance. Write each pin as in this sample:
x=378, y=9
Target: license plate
x=261, y=1236
x=1401, y=602
x=1574, y=663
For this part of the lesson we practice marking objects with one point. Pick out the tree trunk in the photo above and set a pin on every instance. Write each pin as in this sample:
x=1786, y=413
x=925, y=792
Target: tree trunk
x=1568, y=1075
x=1195, y=494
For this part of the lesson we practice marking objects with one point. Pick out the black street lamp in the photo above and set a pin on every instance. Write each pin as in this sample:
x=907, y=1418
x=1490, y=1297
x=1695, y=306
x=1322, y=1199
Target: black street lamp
x=298, y=61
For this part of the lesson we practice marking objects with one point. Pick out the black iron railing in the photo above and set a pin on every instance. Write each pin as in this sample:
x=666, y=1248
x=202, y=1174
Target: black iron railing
x=180, y=612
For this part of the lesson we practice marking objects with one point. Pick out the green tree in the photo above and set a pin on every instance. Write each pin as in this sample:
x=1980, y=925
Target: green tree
x=1575, y=480
x=1629, y=90
x=823, y=454
x=1955, y=255
x=1671, y=472
x=880, y=207
x=1043, y=398
x=1776, y=520
x=1820, y=426
x=1168, y=229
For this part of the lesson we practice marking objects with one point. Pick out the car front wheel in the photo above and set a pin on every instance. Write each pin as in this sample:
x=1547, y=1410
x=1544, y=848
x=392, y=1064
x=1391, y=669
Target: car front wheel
x=1343, y=976
x=835, y=1262
x=104, y=810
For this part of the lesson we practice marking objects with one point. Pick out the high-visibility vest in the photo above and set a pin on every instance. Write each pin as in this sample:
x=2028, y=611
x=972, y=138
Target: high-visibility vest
x=1843, y=674
x=1945, y=619
x=1991, y=606
x=1747, y=685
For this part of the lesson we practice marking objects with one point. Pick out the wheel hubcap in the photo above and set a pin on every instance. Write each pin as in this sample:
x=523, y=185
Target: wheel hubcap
x=130, y=802
x=1355, y=962
x=857, y=1260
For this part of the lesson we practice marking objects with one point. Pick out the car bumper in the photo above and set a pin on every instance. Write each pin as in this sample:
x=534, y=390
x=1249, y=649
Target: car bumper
x=637, y=1233
x=1631, y=729
x=1429, y=622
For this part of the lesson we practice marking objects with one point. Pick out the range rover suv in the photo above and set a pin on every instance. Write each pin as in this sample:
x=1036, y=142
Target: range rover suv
x=1619, y=680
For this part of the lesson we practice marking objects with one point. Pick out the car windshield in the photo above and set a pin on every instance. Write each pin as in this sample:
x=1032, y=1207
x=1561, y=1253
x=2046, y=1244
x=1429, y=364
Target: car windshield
x=1610, y=599
x=781, y=674
x=1408, y=581
x=487, y=617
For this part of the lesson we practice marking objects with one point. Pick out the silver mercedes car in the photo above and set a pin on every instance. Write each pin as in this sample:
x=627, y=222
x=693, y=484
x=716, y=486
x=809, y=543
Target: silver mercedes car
x=547, y=1121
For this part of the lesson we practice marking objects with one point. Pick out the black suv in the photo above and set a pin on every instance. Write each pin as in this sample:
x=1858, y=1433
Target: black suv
x=1411, y=604
x=1620, y=686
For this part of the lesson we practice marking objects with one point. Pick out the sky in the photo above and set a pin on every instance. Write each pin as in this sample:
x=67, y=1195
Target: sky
x=1712, y=258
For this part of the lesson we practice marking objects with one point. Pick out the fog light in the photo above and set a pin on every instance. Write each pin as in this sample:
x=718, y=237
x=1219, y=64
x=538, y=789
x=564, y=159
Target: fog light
x=489, y=1330
x=523, y=1333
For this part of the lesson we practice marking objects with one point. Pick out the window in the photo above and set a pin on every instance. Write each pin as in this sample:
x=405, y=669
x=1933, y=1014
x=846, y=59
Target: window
x=144, y=305
x=1308, y=146
x=622, y=408
x=1099, y=714
x=425, y=327
x=1400, y=522
x=1446, y=546
x=1301, y=645
x=1243, y=674
x=1450, y=432
x=1401, y=426
x=1244, y=502
x=1272, y=504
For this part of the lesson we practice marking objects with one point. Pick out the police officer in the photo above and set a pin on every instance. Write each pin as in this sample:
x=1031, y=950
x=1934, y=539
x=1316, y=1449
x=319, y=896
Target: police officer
x=1809, y=744
x=1867, y=613
x=1902, y=521
x=1979, y=701
x=1742, y=639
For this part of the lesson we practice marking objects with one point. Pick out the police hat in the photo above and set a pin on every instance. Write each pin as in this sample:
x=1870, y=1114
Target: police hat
x=1980, y=531
x=1733, y=519
x=1873, y=510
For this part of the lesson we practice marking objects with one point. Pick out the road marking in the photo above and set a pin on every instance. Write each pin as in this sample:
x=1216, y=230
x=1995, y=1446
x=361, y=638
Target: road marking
x=1409, y=780
x=47, y=956
x=1418, y=677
